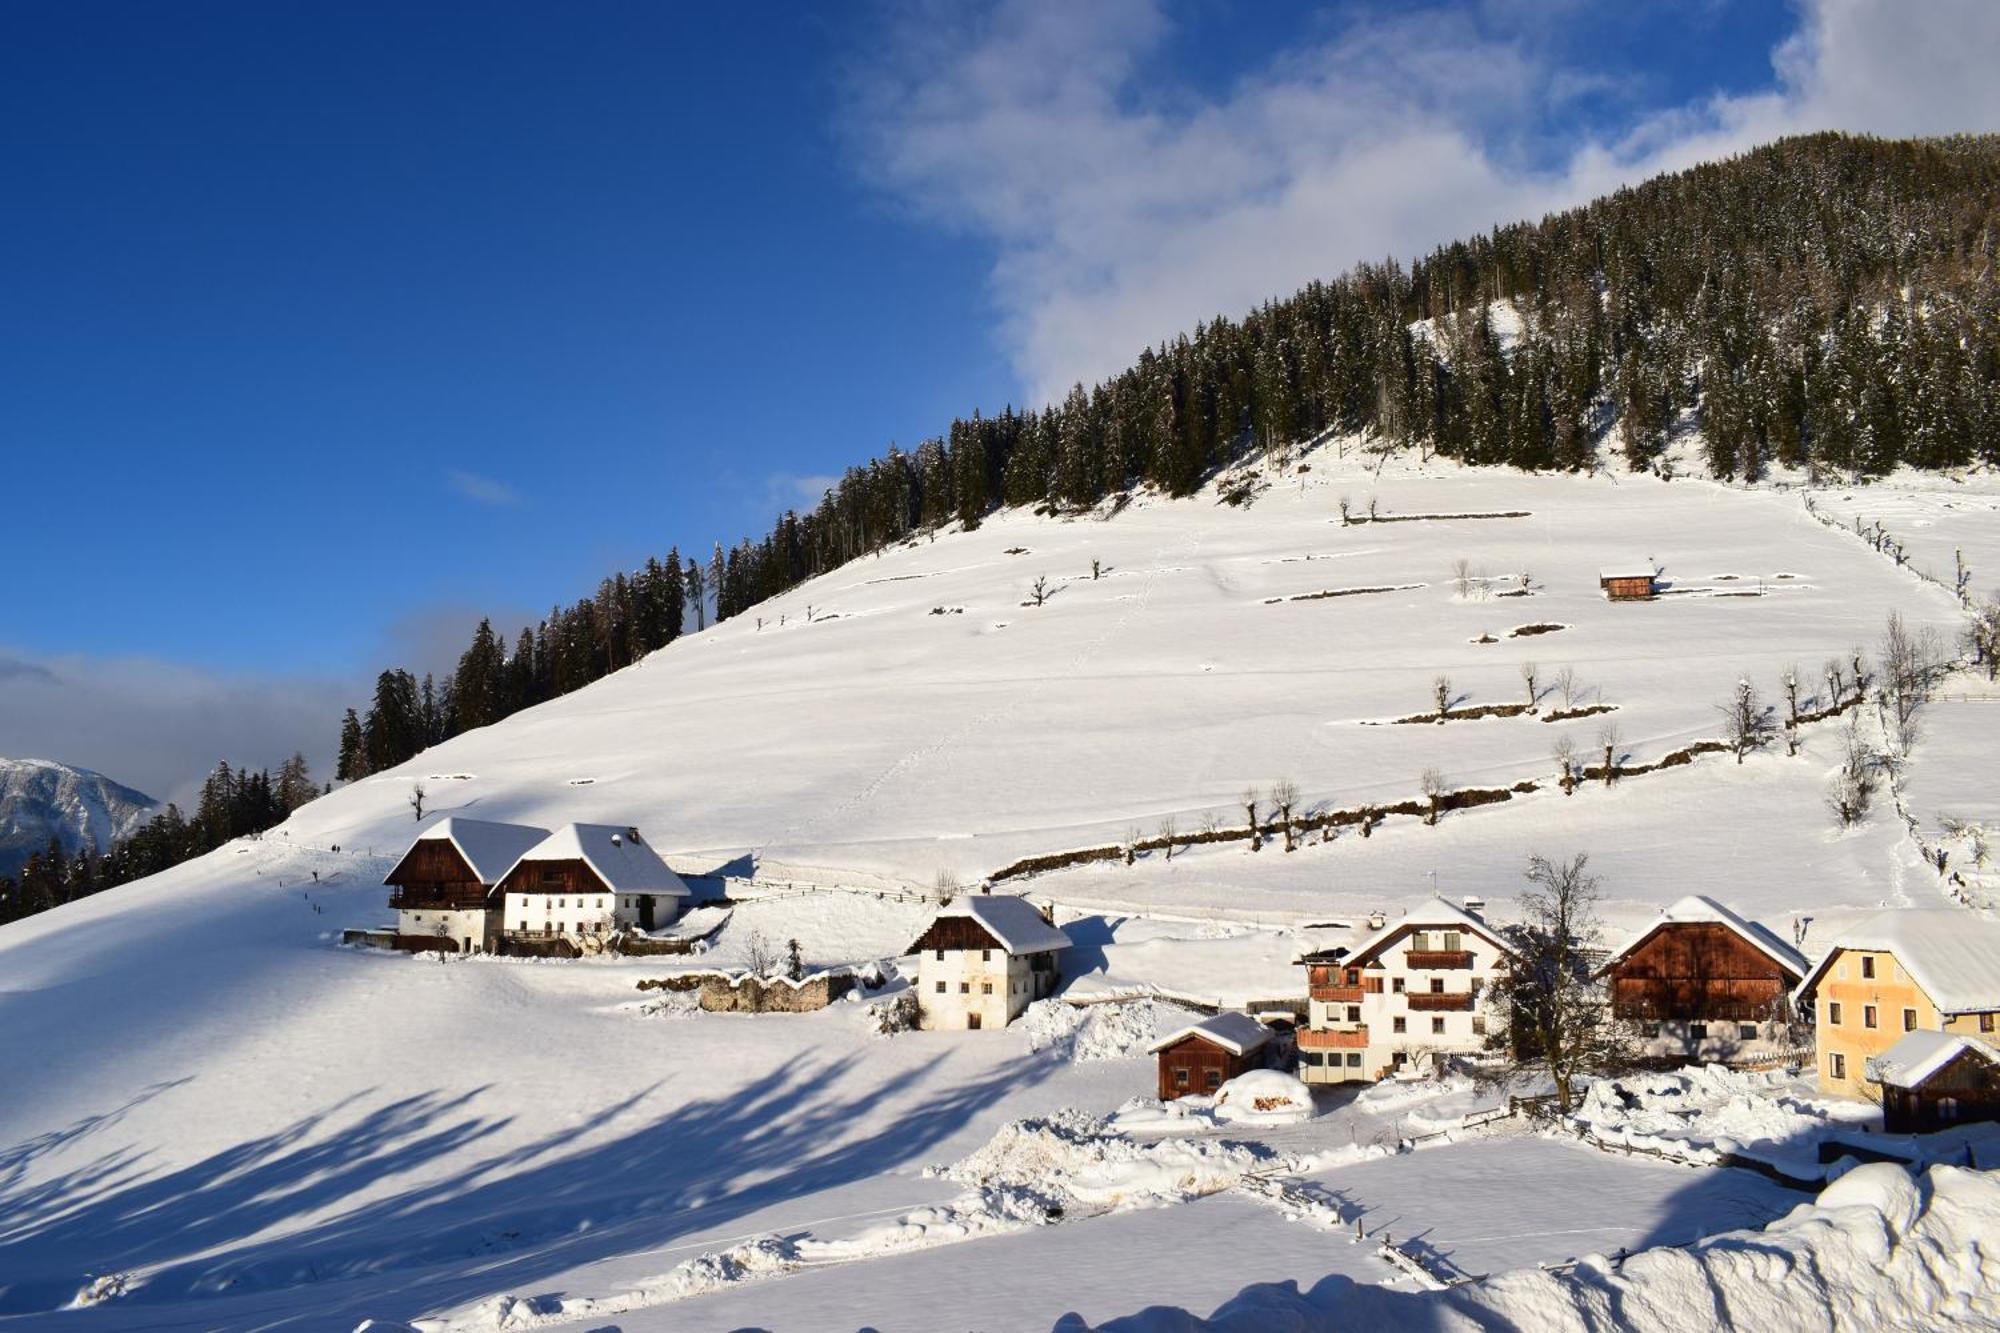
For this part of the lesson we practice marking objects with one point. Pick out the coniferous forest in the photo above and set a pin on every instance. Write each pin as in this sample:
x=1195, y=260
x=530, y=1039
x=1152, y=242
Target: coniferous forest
x=1826, y=303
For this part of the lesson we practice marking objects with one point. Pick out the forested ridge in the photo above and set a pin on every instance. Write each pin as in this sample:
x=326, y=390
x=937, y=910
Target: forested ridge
x=1827, y=303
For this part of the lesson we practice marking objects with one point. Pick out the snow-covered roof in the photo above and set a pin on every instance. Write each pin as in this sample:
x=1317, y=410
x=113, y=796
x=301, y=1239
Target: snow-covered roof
x=1699, y=909
x=1434, y=914
x=1922, y=1053
x=1012, y=921
x=624, y=862
x=1953, y=954
x=1239, y=1034
x=1610, y=572
x=489, y=848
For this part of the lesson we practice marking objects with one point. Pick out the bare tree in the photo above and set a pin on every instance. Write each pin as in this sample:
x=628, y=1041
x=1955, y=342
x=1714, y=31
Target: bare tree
x=945, y=885
x=1526, y=580
x=1285, y=795
x=1461, y=576
x=1553, y=1013
x=1346, y=515
x=1441, y=695
x=1909, y=659
x=1528, y=673
x=1609, y=736
x=1961, y=579
x=1853, y=783
x=1836, y=682
x=1096, y=569
x=417, y=795
x=1040, y=592
x=1249, y=799
x=1982, y=637
x=1564, y=754
x=1169, y=829
x=1566, y=686
x=1746, y=722
x=1210, y=823
x=1434, y=789
x=1791, y=683
x=1133, y=835
x=757, y=955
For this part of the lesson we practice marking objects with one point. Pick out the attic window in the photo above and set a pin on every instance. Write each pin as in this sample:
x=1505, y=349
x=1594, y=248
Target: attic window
x=1867, y=967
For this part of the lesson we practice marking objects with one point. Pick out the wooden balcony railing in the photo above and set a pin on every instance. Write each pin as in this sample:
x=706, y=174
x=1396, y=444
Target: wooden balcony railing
x=1433, y=960
x=415, y=900
x=1448, y=1001
x=1338, y=994
x=1328, y=1039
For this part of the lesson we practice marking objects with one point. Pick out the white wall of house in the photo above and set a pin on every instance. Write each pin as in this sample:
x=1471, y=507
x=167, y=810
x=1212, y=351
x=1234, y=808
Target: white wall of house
x=1424, y=1034
x=666, y=907
x=468, y=927
x=561, y=913
x=955, y=984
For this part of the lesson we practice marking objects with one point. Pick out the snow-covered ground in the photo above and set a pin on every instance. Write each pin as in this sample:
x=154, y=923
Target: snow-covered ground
x=233, y=1122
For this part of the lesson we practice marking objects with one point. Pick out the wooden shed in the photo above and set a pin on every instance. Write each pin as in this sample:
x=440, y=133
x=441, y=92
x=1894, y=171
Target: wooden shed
x=1935, y=1080
x=1201, y=1057
x=1628, y=583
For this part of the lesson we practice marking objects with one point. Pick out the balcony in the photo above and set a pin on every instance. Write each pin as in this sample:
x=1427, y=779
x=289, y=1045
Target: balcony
x=1328, y=1039
x=1459, y=1001
x=1338, y=994
x=1437, y=960
x=425, y=900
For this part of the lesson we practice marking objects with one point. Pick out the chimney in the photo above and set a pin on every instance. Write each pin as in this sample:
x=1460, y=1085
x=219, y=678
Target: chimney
x=1377, y=920
x=633, y=834
x=1475, y=904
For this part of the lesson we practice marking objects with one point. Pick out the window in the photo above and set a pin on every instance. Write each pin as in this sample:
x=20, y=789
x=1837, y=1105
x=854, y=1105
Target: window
x=1354, y=976
x=1397, y=985
x=1867, y=967
x=1652, y=1029
x=1909, y=1020
x=1947, y=1108
x=1986, y=1022
x=986, y=988
x=985, y=955
x=1698, y=1031
x=1868, y=1015
x=1746, y=1032
x=1399, y=1025
x=1180, y=1078
x=1354, y=1059
x=1833, y=1013
x=965, y=988
x=940, y=988
x=1836, y=1065
x=1354, y=1013
x=1437, y=1027
x=1451, y=944
x=940, y=954
x=1420, y=941
x=1212, y=1078
x=1437, y=985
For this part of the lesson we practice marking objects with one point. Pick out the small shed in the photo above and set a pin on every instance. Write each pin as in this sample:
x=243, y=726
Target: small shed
x=1935, y=1080
x=1628, y=583
x=1203, y=1056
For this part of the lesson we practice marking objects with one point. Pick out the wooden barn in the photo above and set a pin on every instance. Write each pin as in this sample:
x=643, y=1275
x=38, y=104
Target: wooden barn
x=1628, y=583
x=1703, y=984
x=1203, y=1056
x=443, y=885
x=588, y=880
x=1935, y=1080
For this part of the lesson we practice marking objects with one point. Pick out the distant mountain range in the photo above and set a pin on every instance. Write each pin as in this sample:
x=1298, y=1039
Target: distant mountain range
x=40, y=798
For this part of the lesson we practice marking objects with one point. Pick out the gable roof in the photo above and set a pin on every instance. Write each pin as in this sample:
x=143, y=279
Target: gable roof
x=625, y=863
x=1239, y=1034
x=1697, y=909
x=1610, y=572
x=1951, y=952
x=1012, y=922
x=488, y=848
x=1437, y=913
x=1912, y=1060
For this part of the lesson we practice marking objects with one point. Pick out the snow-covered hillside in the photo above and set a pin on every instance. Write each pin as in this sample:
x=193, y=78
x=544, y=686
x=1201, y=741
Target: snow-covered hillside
x=234, y=1122
x=40, y=799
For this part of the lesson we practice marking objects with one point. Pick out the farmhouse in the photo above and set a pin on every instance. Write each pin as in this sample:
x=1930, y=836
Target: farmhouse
x=1628, y=583
x=587, y=880
x=1899, y=971
x=1203, y=1056
x=1408, y=992
x=1703, y=984
x=1934, y=1080
x=983, y=959
x=444, y=882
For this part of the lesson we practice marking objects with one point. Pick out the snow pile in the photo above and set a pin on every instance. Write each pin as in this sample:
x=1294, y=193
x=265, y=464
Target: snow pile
x=1073, y=1158
x=1264, y=1097
x=1878, y=1251
x=1392, y=1095
x=1704, y=1114
x=1100, y=1031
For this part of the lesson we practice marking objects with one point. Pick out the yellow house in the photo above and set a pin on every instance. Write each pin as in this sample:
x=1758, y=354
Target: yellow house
x=1898, y=971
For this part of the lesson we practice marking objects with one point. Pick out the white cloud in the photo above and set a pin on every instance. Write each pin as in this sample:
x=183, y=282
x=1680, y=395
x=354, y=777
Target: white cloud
x=1123, y=210
x=482, y=490
x=794, y=490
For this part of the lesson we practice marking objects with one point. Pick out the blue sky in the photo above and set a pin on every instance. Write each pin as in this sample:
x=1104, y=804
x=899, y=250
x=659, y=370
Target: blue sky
x=328, y=327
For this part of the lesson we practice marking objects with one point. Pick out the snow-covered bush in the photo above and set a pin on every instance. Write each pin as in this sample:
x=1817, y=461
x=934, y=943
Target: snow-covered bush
x=1264, y=1097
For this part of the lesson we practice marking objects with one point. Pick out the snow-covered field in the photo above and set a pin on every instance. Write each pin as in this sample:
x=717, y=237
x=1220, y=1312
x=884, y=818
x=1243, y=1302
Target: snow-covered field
x=229, y=1121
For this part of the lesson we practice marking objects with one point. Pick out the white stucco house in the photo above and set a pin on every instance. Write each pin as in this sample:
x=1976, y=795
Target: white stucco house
x=983, y=959
x=1407, y=992
x=443, y=883
x=587, y=880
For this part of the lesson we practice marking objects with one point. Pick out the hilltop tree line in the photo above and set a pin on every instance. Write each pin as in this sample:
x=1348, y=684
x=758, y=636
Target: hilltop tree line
x=234, y=802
